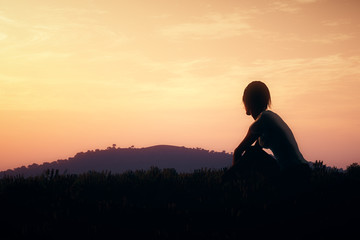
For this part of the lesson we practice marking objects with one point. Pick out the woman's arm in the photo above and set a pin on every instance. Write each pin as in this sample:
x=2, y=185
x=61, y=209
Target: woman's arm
x=249, y=139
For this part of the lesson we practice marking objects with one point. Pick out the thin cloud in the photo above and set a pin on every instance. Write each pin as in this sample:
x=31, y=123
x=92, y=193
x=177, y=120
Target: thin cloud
x=335, y=23
x=306, y=1
x=77, y=11
x=3, y=36
x=327, y=69
x=288, y=6
x=161, y=16
x=283, y=6
x=331, y=38
x=5, y=19
x=323, y=39
x=315, y=39
x=43, y=56
x=215, y=26
x=54, y=35
x=328, y=64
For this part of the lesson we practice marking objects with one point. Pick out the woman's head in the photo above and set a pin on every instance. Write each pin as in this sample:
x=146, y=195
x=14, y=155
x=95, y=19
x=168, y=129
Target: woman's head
x=256, y=98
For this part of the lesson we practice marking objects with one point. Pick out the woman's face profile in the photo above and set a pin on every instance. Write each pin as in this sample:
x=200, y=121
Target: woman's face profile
x=247, y=109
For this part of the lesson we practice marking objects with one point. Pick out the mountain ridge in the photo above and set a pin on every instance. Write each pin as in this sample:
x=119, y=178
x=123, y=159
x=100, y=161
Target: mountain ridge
x=119, y=160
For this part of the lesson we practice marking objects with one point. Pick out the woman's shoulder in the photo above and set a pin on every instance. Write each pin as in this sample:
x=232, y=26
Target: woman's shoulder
x=268, y=114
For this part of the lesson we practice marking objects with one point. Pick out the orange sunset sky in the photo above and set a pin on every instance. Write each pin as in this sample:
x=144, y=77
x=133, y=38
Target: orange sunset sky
x=84, y=74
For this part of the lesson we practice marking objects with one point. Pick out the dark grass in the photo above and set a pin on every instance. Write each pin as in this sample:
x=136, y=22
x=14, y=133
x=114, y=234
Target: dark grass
x=163, y=204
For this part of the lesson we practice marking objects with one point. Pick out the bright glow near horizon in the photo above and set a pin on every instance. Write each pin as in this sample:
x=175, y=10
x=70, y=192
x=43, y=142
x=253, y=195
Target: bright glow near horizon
x=79, y=75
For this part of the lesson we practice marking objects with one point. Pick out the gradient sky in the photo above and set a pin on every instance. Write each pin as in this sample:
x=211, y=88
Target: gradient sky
x=84, y=74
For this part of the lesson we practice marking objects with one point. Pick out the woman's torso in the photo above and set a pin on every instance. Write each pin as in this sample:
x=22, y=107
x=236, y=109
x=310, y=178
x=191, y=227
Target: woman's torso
x=276, y=135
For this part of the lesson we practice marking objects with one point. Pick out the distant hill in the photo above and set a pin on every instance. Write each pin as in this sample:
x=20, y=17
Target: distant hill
x=118, y=160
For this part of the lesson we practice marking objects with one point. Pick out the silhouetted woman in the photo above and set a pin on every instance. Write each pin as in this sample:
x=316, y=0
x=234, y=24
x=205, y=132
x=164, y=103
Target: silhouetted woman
x=268, y=131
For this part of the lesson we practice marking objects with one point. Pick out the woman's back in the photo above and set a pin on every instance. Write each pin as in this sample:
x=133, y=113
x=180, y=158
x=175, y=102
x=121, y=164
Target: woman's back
x=277, y=136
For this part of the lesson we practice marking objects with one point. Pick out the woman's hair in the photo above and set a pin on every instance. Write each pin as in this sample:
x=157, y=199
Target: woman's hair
x=257, y=96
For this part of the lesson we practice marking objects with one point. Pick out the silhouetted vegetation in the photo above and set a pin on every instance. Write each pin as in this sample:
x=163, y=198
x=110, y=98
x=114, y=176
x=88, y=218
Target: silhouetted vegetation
x=164, y=204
